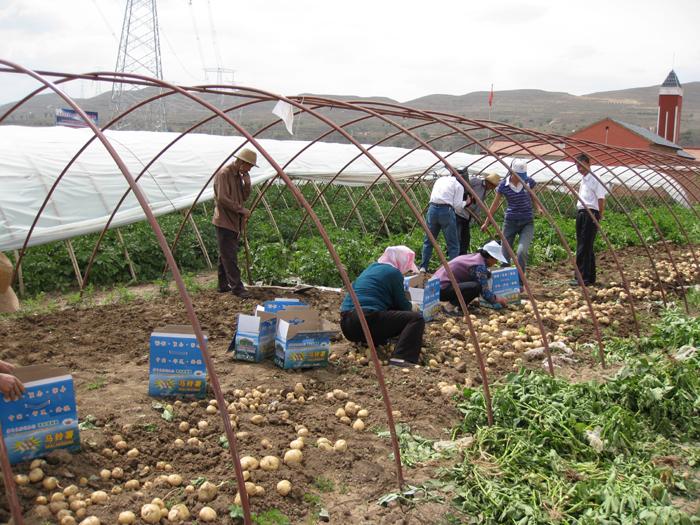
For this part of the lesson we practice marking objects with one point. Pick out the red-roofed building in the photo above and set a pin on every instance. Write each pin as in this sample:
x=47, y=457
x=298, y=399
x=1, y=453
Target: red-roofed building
x=613, y=132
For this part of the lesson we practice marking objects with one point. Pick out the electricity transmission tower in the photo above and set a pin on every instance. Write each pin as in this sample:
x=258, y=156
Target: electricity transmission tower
x=139, y=53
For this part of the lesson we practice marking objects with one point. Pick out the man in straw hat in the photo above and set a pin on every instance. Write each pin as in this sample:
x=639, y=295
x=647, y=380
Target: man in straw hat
x=231, y=190
x=469, y=209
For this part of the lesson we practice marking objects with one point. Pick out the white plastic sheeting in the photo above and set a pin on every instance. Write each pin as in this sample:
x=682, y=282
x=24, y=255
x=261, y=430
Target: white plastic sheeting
x=31, y=160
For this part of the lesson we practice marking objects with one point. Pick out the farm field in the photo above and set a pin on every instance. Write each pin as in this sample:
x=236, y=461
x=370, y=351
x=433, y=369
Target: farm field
x=475, y=474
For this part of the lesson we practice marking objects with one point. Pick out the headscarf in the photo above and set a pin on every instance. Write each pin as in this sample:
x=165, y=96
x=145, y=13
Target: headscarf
x=400, y=257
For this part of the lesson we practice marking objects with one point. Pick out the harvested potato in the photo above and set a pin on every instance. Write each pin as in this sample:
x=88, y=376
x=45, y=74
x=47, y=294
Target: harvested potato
x=249, y=463
x=207, y=514
x=150, y=513
x=207, y=492
x=179, y=512
x=358, y=425
x=126, y=518
x=284, y=487
x=293, y=457
x=270, y=463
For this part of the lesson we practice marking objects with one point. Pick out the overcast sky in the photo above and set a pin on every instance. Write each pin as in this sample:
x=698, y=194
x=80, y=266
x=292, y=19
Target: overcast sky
x=399, y=49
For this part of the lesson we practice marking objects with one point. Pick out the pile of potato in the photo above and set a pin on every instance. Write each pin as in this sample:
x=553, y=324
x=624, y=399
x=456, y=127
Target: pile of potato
x=126, y=469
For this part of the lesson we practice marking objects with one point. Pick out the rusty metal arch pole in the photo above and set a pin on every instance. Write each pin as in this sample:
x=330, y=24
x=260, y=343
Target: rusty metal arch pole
x=481, y=204
x=663, y=238
x=614, y=175
x=343, y=168
x=435, y=245
x=603, y=235
x=653, y=219
x=302, y=201
x=176, y=274
x=442, y=256
x=602, y=232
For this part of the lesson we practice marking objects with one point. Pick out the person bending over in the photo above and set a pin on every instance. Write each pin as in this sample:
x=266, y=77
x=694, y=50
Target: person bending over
x=380, y=291
x=472, y=275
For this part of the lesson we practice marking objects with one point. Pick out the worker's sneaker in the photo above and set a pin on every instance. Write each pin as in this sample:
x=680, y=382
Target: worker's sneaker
x=243, y=294
x=422, y=270
x=222, y=289
x=402, y=363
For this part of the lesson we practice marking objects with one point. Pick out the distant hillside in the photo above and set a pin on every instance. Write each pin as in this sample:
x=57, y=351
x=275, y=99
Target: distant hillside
x=530, y=108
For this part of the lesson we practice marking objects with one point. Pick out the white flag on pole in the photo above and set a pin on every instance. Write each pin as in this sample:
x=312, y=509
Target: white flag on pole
x=285, y=111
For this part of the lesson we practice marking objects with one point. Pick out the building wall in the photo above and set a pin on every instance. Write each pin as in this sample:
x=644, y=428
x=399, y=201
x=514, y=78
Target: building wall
x=616, y=135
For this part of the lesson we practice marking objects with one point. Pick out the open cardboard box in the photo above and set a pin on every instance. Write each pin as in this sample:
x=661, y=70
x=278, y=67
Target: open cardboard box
x=303, y=339
x=45, y=418
x=425, y=292
x=176, y=366
x=255, y=334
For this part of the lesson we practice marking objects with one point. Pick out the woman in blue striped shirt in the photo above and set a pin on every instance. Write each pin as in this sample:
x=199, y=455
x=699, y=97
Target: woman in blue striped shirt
x=519, y=217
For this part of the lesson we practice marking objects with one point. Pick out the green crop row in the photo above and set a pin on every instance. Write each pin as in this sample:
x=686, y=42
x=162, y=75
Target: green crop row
x=287, y=250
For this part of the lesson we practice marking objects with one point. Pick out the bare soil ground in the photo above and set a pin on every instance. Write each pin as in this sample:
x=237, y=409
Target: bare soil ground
x=106, y=348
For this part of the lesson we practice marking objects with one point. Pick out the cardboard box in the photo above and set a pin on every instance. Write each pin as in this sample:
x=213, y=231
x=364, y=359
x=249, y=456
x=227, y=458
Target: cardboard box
x=255, y=334
x=303, y=339
x=504, y=282
x=45, y=418
x=425, y=292
x=176, y=365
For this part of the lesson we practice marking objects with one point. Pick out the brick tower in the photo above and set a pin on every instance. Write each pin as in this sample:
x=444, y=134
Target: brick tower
x=670, y=101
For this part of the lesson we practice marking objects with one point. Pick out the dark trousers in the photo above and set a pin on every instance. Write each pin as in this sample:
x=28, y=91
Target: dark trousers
x=408, y=326
x=464, y=234
x=470, y=290
x=586, y=231
x=229, y=274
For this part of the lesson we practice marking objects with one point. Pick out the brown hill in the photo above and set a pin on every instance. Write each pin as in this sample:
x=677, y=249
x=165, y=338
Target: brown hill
x=530, y=108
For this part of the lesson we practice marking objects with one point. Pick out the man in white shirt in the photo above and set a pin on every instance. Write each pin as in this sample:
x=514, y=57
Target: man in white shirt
x=468, y=210
x=591, y=195
x=447, y=194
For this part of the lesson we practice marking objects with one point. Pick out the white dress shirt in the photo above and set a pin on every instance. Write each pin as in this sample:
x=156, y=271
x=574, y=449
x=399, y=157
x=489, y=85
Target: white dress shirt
x=589, y=191
x=447, y=190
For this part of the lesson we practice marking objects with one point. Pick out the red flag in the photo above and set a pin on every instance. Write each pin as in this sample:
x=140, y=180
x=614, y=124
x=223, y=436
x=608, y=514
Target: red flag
x=491, y=96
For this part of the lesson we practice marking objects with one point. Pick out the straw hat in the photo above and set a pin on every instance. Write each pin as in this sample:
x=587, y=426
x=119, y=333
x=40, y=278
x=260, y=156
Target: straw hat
x=493, y=179
x=247, y=155
x=8, y=299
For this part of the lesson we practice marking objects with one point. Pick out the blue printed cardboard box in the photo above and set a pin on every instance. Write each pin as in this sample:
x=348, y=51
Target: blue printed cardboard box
x=255, y=334
x=424, y=293
x=45, y=418
x=505, y=282
x=176, y=365
x=303, y=339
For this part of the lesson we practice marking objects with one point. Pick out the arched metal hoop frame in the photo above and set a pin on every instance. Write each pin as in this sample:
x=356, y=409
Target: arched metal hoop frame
x=423, y=130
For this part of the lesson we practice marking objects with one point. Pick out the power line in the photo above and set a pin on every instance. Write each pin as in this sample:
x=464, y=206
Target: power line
x=105, y=20
x=199, y=41
x=215, y=43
